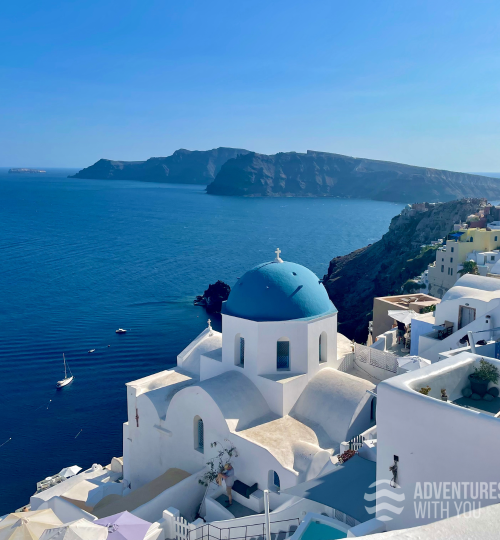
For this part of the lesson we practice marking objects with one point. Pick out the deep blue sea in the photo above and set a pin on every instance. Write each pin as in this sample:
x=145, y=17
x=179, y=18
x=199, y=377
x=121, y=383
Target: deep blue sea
x=81, y=258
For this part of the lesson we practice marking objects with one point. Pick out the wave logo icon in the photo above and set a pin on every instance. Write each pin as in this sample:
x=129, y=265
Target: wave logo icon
x=382, y=507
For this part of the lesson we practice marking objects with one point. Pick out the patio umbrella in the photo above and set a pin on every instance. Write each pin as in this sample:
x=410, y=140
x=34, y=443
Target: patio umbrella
x=28, y=525
x=403, y=316
x=125, y=526
x=67, y=472
x=412, y=363
x=76, y=530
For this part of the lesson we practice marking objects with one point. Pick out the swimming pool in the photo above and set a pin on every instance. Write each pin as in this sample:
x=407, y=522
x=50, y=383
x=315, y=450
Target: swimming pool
x=316, y=530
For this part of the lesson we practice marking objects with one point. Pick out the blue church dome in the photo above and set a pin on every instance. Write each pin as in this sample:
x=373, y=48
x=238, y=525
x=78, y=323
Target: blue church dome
x=278, y=291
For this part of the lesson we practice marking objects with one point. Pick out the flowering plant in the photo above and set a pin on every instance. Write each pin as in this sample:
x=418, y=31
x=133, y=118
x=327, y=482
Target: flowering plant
x=346, y=456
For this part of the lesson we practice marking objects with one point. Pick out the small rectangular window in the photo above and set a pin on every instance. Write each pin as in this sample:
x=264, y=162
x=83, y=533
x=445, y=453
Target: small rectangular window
x=471, y=239
x=452, y=249
x=283, y=355
x=242, y=351
x=451, y=259
x=373, y=411
x=451, y=271
x=442, y=268
x=496, y=238
x=493, y=257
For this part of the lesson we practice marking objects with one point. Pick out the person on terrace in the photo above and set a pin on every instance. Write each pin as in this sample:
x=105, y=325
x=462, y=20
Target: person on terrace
x=228, y=476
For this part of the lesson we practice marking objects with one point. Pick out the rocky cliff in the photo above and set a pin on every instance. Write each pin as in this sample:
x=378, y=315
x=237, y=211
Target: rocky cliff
x=320, y=174
x=182, y=167
x=380, y=269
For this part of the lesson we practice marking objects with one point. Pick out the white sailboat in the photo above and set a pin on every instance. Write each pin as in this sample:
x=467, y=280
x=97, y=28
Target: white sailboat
x=67, y=380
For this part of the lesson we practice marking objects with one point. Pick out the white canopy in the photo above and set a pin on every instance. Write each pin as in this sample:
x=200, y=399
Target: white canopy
x=402, y=315
x=411, y=363
x=76, y=530
x=67, y=472
x=28, y=525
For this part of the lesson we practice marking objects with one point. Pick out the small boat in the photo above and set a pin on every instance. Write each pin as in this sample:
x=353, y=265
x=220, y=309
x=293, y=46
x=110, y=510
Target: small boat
x=67, y=380
x=121, y=331
x=91, y=350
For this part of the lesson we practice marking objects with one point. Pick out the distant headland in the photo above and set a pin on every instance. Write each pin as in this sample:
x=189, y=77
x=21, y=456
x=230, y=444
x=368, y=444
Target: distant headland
x=26, y=171
x=182, y=167
x=239, y=172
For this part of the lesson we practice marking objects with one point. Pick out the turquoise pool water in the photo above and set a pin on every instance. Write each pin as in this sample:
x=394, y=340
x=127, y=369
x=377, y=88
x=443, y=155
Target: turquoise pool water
x=319, y=531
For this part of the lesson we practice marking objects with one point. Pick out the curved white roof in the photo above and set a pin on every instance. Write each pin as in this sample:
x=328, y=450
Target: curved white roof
x=290, y=441
x=238, y=399
x=333, y=399
x=471, y=286
x=456, y=293
x=189, y=358
x=325, y=415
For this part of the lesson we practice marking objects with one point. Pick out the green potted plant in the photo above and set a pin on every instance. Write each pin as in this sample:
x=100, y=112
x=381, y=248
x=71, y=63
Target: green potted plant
x=482, y=376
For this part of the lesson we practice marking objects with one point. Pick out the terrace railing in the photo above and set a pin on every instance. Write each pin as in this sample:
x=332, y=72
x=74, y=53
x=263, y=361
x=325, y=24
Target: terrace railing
x=356, y=442
x=279, y=531
x=374, y=357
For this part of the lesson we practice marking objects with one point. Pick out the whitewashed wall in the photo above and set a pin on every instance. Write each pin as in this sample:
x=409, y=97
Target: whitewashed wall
x=435, y=441
x=186, y=496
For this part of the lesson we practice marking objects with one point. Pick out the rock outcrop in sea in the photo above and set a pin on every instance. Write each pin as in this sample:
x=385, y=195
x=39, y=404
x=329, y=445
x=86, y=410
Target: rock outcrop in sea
x=182, y=167
x=213, y=297
x=320, y=174
x=380, y=269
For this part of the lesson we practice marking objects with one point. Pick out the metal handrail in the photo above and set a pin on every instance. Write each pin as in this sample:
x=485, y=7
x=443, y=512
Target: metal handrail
x=227, y=536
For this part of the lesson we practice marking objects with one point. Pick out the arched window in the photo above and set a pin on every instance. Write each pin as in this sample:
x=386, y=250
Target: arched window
x=283, y=354
x=239, y=350
x=322, y=347
x=199, y=434
x=273, y=481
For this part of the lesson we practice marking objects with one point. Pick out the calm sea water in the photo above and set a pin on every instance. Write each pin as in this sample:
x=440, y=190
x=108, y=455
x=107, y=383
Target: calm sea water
x=81, y=258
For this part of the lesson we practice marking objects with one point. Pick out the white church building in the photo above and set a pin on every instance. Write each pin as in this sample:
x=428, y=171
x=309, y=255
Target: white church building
x=268, y=383
x=273, y=385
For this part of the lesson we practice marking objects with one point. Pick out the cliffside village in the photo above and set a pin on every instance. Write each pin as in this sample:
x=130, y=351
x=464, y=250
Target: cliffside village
x=281, y=427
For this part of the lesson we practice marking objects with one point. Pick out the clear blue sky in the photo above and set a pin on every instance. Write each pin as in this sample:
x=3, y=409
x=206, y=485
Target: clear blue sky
x=410, y=81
